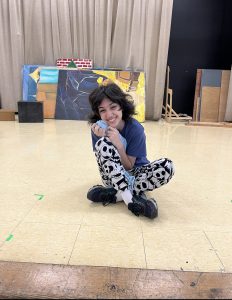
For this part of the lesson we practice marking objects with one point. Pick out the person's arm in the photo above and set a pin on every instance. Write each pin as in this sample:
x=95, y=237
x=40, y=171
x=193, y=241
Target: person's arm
x=126, y=160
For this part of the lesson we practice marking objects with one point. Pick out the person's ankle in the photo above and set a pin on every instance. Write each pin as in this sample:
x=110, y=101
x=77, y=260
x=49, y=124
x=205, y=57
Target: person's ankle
x=127, y=196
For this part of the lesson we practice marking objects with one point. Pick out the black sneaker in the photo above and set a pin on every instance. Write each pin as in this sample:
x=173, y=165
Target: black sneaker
x=99, y=193
x=142, y=206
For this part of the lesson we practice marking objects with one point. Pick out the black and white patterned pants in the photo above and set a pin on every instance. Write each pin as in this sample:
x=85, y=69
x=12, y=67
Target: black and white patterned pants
x=146, y=178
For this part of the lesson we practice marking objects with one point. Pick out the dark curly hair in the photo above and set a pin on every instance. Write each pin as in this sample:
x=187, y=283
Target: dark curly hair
x=114, y=93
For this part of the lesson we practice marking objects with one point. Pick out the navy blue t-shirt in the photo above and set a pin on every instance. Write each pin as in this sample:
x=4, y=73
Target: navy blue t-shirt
x=135, y=136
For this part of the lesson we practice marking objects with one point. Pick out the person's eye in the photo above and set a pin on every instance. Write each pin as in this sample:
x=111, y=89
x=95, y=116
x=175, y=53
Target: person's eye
x=114, y=107
x=101, y=111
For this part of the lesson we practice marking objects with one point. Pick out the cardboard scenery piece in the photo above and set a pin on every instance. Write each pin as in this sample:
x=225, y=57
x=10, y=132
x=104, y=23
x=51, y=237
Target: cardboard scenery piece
x=80, y=63
x=47, y=89
x=30, y=77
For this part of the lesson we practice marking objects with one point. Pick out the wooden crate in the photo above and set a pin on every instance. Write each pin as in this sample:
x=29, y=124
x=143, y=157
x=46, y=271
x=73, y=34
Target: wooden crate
x=7, y=115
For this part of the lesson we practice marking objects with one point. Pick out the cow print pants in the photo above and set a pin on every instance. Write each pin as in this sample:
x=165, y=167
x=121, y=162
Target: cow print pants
x=145, y=178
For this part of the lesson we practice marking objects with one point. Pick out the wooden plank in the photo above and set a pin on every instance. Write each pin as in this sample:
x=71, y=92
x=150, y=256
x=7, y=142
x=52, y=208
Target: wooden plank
x=167, y=88
x=212, y=124
x=198, y=108
x=47, y=87
x=209, y=104
x=223, y=94
x=40, y=96
x=197, y=94
x=49, y=104
x=44, y=281
x=49, y=109
x=7, y=115
x=228, y=114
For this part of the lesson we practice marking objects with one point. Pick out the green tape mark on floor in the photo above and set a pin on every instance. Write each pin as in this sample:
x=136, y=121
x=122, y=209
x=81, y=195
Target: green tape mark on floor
x=39, y=197
x=9, y=237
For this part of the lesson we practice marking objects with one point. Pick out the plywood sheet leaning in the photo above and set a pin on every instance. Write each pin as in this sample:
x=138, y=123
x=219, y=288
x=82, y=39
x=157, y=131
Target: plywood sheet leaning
x=210, y=97
x=46, y=92
x=47, y=89
x=223, y=94
x=197, y=95
x=228, y=114
x=209, y=78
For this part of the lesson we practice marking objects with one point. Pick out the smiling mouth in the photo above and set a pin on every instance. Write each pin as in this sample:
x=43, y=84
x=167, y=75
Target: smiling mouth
x=112, y=120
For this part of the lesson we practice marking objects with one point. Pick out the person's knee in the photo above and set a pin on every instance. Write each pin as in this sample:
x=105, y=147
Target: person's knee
x=102, y=142
x=170, y=166
x=105, y=148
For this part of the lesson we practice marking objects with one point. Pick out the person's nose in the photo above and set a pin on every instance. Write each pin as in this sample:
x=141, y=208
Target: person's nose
x=108, y=113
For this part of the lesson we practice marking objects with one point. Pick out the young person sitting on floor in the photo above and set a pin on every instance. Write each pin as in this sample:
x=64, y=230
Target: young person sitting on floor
x=119, y=143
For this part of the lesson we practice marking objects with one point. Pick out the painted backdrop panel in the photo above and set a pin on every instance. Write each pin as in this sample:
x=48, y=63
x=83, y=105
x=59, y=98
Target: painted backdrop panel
x=74, y=87
x=30, y=77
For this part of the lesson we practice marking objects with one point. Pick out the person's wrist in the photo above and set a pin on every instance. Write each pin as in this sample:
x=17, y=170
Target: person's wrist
x=120, y=147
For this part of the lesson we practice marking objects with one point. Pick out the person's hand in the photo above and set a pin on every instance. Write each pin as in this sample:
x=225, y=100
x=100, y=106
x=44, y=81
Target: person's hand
x=114, y=136
x=98, y=131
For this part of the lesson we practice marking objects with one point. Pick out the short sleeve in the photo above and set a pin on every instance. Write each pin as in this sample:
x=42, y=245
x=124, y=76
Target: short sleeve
x=94, y=140
x=136, y=145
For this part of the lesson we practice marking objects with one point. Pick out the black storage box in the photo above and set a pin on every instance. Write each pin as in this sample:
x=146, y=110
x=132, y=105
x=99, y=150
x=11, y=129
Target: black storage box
x=30, y=112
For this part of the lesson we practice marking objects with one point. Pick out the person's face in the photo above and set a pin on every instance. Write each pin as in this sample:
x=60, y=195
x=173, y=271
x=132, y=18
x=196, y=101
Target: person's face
x=111, y=113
